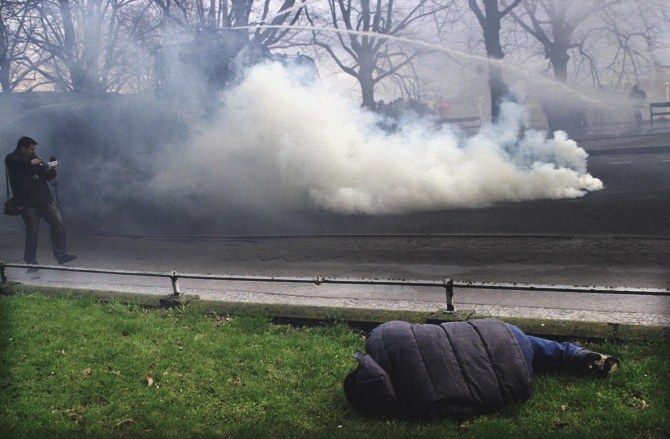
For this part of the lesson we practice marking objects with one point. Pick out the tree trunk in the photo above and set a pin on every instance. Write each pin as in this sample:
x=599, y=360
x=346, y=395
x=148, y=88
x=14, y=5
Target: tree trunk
x=92, y=47
x=367, y=83
x=566, y=116
x=77, y=75
x=490, y=22
x=559, y=62
x=4, y=77
x=498, y=90
x=368, y=92
x=4, y=60
x=497, y=85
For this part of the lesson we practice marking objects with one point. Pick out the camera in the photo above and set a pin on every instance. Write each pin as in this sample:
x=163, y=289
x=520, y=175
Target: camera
x=46, y=165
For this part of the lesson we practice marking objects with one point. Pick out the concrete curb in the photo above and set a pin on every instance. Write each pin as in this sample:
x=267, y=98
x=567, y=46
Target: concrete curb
x=359, y=316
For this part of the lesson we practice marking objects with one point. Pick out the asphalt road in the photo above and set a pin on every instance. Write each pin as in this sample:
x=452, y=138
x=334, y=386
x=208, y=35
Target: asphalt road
x=641, y=166
x=618, y=262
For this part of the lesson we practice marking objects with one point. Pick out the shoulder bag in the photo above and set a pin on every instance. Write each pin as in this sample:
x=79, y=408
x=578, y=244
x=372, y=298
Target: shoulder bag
x=12, y=207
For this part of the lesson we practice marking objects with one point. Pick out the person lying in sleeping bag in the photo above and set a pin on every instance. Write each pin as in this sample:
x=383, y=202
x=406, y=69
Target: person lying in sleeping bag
x=457, y=369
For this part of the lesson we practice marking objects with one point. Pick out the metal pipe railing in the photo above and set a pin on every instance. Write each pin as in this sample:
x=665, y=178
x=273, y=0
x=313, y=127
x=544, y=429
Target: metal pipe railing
x=448, y=284
x=565, y=288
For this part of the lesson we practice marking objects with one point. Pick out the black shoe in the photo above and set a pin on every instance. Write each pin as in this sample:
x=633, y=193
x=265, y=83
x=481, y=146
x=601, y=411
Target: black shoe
x=66, y=258
x=600, y=365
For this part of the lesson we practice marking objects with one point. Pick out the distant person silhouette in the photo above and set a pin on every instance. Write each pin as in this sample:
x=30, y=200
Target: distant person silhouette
x=638, y=98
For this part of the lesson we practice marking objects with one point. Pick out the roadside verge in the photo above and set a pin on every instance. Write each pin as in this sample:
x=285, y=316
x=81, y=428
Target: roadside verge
x=368, y=317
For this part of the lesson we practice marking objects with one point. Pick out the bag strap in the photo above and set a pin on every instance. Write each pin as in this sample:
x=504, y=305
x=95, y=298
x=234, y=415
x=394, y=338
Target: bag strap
x=7, y=180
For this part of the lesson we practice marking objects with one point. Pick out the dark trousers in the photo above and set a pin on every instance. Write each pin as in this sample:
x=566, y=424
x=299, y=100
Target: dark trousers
x=32, y=217
x=545, y=354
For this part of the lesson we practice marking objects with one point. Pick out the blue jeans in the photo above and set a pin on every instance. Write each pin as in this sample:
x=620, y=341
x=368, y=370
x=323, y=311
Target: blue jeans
x=541, y=353
x=32, y=217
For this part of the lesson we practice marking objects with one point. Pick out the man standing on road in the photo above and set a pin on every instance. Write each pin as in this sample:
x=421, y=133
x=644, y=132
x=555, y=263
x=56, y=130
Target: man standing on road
x=638, y=98
x=28, y=176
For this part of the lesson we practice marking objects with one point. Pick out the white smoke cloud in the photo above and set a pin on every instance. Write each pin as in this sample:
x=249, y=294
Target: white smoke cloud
x=281, y=144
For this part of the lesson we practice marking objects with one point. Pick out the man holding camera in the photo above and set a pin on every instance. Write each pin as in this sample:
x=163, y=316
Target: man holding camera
x=28, y=176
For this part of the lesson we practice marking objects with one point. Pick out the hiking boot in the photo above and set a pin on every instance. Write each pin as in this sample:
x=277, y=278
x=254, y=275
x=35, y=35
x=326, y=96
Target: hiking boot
x=600, y=365
x=66, y=258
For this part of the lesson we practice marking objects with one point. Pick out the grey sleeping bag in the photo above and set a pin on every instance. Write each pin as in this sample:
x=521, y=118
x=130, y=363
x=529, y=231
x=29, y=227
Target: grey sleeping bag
x=455, y=369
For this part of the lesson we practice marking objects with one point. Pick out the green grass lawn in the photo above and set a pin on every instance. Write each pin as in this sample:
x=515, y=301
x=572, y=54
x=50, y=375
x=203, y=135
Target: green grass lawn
x=74, y=367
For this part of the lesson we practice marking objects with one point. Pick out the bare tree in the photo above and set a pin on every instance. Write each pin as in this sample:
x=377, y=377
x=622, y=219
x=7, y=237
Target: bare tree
x=7, y=42
x=15, y=30
x=609, y=37
x=81, y=44
x=209, y=18
x=554, y=24
x=490, y=21
x=363, y=31
x=211, y=39
x=622, y=48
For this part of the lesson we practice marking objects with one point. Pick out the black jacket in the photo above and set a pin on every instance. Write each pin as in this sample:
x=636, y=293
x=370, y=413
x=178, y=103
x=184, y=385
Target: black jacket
x=28, y=181
x=456, y=369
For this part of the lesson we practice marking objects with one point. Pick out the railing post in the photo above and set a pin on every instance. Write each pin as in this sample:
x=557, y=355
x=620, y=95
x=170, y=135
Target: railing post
x=175, y=284
x=449, y=287
x=3, y=274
